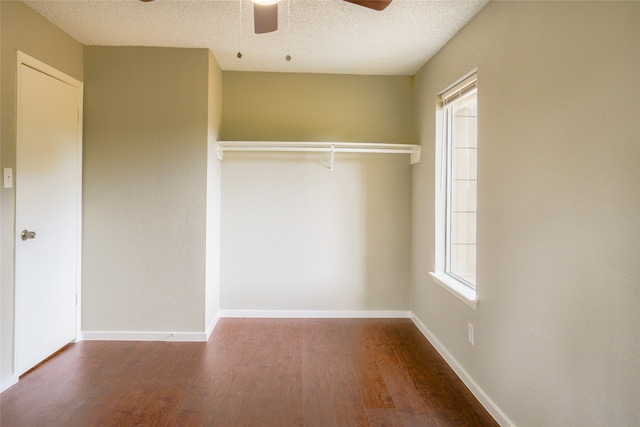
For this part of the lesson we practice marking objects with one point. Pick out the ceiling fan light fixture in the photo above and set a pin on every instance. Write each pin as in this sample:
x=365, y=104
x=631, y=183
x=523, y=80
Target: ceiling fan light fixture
x=266, y=2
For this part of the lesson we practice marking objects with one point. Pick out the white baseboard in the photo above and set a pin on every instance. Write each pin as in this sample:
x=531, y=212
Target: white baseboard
x=8, y=382
x=482, y=397
x=153, y=336
x=317, y=314
x=212, y=325
x=204, y=336
x=144, y=336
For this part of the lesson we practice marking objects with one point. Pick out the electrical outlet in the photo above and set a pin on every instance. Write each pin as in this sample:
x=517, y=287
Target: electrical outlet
x=470, y=335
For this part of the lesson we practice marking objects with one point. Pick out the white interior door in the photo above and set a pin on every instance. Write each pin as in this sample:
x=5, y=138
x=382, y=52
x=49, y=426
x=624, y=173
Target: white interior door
x=47, y=178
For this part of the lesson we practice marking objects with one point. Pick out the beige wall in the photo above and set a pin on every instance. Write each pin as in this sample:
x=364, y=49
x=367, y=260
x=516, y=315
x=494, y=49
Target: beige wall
x=556, y=327
x=22, y=29
x=317, y=107
x=296, y=236
x=146, y=128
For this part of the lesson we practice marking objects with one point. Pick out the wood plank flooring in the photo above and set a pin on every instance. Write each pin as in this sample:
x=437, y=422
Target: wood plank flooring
x=252, y=372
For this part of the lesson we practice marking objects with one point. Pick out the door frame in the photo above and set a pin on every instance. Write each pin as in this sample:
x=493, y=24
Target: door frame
x=25, y=60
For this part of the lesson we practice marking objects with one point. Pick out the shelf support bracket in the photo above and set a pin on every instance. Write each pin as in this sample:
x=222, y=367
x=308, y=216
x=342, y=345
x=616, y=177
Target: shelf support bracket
x=333, y=156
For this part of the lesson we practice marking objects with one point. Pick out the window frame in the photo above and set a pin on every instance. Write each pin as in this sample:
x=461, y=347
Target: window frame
x=462, y=289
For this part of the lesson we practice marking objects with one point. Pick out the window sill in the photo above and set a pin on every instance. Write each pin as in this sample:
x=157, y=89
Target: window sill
x=457, y=288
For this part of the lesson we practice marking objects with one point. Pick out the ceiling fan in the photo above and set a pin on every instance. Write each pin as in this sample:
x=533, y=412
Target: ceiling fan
x=265, y=12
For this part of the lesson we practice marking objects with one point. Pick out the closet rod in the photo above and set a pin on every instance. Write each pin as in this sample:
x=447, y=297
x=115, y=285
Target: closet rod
x=325, y=147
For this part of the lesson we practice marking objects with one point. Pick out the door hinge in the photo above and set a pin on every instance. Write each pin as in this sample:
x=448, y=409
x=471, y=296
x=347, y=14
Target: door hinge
x=78, y=115
x=76, y=299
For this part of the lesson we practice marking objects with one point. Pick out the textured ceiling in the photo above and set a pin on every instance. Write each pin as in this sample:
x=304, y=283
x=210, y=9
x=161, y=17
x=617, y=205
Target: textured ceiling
x=322, y=36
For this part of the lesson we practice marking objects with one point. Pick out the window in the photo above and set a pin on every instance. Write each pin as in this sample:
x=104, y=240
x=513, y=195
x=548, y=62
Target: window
x=456, y=189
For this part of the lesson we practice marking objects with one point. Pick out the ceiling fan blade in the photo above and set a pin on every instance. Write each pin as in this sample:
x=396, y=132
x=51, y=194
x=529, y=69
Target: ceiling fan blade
x=265, y=18
x=372, y=4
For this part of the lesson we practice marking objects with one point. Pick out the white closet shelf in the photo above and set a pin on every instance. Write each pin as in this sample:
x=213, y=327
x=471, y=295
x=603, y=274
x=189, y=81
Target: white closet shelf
x=324, y=147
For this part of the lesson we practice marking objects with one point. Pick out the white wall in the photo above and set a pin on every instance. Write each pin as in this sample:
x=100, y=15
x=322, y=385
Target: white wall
x=214, y=197
x=296, y=236
x=556, y=326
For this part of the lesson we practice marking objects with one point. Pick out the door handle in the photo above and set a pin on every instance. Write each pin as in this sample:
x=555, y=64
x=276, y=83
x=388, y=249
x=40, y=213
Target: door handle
x=26, y=234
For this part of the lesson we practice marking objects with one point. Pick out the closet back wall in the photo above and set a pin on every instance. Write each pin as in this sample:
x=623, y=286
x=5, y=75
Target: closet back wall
x=296, y=236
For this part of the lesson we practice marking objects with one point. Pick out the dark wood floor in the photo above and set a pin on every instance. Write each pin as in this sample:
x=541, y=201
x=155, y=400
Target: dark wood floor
x=252, y=372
